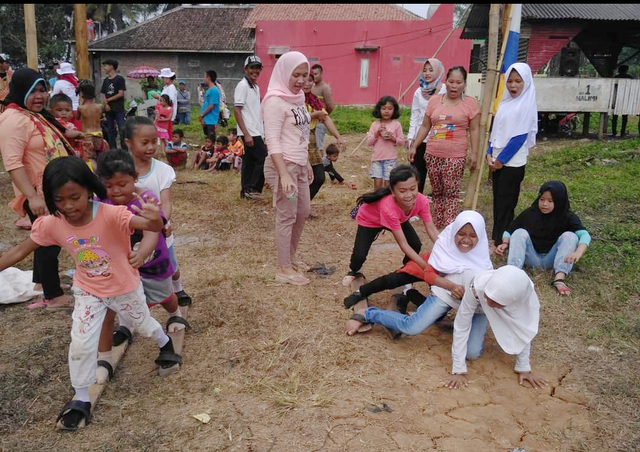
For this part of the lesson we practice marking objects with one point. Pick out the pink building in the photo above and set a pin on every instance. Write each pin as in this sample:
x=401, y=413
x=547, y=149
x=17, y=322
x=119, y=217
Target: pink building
x=363, y=59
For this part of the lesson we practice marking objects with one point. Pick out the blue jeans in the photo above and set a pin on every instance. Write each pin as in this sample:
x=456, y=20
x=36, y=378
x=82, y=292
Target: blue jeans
x=380, y=169
x=522, y=252
x=432, y=310
x=112, y=119
x=184, y=117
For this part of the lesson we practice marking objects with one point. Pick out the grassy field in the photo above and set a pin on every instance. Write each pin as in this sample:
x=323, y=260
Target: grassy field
x=272, y=367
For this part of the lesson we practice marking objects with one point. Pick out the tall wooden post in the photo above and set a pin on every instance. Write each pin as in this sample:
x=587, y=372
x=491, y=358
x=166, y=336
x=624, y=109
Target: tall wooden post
x=82, y=46
x=487, y=97
x=30, y=33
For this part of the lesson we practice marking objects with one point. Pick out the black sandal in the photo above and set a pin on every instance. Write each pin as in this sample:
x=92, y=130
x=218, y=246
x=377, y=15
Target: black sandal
x=177, y=319
x=107, y=365
x=167, y=359
x=359, y=318
x=354, y=299
x=67, y=420
x=121, y=334
x=183, y=298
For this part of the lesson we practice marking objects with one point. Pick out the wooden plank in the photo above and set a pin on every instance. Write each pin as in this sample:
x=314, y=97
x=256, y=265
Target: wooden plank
x=30, y=35
x=82, y=44
x=355, y=285
x=178, y=342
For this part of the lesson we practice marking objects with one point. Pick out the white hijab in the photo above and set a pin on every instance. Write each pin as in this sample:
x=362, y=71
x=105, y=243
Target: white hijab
x=515, y=325
x=447, y=258
x=516, y=116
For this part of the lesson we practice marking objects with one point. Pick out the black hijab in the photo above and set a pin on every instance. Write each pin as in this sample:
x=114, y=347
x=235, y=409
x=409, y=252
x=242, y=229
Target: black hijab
x=22, y=84
x=545, y=229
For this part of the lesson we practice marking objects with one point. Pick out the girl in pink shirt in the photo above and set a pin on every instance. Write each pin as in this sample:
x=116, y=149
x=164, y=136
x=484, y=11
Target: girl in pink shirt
x=385, y=135
x=286, y=169
x=97, y=236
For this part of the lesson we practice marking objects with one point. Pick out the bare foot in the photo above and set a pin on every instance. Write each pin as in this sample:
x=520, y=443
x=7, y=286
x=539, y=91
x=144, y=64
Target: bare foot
x=353, y=326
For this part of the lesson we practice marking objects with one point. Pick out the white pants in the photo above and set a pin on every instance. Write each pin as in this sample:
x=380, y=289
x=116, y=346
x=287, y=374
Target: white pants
x=88, y=313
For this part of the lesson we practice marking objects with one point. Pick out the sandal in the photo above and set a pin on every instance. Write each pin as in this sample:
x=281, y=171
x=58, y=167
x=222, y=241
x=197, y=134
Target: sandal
x=561, y=287
x=296, y=280
x=107, y=365
x=365, y=326
x=177, y=319
x=183, y=298
x=299, y=265
x=322, y=270
x=121, y=334
x=353, y=299
x=167, y=359
x=74, y=415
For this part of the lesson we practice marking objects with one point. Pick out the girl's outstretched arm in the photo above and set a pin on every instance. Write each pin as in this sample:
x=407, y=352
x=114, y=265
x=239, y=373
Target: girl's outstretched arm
x=148, y=218
x=406, y=249
x=17, y=253
x=432, y=231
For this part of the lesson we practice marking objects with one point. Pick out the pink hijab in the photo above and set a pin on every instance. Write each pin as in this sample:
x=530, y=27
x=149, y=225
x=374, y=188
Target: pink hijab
x=279, y=83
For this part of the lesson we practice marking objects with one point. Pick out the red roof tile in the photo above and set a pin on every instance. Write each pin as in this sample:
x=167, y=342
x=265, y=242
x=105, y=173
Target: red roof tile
x=385, y=11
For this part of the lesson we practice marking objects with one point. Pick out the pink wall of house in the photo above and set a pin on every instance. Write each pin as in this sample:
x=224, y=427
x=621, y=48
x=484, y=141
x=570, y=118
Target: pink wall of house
x=403, y=45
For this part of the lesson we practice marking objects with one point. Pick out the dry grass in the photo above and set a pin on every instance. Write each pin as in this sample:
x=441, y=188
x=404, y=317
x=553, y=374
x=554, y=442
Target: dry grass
x=272, y=366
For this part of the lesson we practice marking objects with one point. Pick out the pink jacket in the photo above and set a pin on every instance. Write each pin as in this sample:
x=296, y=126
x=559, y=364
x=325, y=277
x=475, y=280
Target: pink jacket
x=385, y=149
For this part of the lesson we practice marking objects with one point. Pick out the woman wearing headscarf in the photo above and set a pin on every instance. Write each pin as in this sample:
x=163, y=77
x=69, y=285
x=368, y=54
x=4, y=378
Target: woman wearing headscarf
x=30, y=137
x=547, y=235
x=514, y=133
x=430, y=84
x=67, y=84
x=286, y=168
x=509, y=301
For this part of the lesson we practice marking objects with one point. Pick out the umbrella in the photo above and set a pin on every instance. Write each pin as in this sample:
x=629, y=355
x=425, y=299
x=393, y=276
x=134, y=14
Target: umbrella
x=143, y=72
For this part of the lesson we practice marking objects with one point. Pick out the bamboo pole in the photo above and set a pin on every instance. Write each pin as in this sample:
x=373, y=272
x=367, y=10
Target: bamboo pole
x=463, y=17
x=358, y=146
x=82, y=45
x=491, y=110
x=30, y=35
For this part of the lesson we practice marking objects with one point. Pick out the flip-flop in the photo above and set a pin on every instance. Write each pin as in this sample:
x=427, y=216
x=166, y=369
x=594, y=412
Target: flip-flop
x=39, y=303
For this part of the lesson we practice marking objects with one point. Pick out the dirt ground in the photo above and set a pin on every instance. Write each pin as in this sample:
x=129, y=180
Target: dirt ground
x=271, y=365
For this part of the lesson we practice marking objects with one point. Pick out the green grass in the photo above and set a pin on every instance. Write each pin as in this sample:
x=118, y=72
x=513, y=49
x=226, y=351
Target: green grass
x=359, y=119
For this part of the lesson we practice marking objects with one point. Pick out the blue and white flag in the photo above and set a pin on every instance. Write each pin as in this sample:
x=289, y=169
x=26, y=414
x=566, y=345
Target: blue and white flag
x=511, y=52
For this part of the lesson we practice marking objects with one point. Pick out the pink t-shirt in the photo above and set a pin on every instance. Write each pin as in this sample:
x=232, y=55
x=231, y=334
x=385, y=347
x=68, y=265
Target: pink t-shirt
x=286, y=129
x=385, y=149
x=100, y=249
x=386, y=213
x=448, y=135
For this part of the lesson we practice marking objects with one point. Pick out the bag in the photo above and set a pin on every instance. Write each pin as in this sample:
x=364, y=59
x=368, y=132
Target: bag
x=354, y=211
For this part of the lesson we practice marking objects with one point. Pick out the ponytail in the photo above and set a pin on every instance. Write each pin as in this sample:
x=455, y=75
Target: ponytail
x=370, y=198
x=400, y=173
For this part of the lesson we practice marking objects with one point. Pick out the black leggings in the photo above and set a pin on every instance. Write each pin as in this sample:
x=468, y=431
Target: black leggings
x=393, y=281
x=45, y=265
x=365, y=238
x=318, y=180
x=506, y=190
x=421, y=165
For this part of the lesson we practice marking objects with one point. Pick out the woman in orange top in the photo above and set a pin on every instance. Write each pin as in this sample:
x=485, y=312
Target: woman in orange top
x=446, y=120
x=29, y=138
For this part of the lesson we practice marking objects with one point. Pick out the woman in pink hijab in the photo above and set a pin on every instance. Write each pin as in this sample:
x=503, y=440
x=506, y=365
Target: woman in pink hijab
x=286, y=168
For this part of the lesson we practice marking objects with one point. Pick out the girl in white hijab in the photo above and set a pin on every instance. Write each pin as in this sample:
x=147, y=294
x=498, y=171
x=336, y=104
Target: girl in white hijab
x=509, y=301
x=514, y=133
x=461, y=251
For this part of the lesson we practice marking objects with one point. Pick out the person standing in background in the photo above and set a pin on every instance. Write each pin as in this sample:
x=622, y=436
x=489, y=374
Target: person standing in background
x=184, y=104
x=168, y=76
x=54, y=74
x=5, y=78
x=113, y=88
x=622, y=73
x=323, y=91
x=210, y=112
x=67, y=84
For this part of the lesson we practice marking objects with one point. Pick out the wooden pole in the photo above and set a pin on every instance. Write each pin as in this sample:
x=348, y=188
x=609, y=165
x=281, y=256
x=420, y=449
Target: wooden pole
x=358, y=146
x=491, y=110
x=82, y=45
x=487, y=94
x=30, y=34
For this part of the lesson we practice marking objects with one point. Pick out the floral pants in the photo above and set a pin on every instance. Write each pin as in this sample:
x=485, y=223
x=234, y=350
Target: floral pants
x=445, y=175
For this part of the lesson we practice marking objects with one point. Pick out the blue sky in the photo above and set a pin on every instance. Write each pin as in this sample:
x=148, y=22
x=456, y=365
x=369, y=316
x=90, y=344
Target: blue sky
x=419, y=9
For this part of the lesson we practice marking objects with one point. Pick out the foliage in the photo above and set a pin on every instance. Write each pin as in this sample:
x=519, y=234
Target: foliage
x=359, y=119
x=117, y=16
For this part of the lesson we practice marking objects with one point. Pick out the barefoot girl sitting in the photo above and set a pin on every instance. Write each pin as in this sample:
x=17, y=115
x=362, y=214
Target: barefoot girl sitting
x=150, y=256
x=461, y=251
x=547, y=235
x=508, y=299
x=96, y=235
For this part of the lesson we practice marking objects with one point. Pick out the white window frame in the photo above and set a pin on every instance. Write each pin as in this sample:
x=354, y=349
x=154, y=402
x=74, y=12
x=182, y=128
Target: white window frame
x=364, y=72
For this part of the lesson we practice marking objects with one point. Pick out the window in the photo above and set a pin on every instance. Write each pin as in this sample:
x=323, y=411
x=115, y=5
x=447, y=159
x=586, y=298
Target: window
x=314, y=59
x=364, y=73
x=396, y=58
x=420, y=60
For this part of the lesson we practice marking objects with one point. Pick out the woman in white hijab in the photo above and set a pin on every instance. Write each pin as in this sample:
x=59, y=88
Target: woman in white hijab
x=508, y=299
x=514, y=133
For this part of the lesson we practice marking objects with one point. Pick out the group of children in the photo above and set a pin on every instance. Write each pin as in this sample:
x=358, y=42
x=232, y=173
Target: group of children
x=223, y=155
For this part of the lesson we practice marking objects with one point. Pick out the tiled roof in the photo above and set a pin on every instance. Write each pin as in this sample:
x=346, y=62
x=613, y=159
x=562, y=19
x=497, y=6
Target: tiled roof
x=187, y=28
x=308, y=11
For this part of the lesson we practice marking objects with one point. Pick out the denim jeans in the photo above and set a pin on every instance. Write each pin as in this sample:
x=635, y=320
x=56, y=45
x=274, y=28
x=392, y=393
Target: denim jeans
x=428, y=313
x=184, y=117
x=522, y=252
x=114, y=119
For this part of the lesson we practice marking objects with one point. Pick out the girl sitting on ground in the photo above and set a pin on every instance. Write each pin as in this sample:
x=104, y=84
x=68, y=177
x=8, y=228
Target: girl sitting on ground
x=162, y=121
x=97, y=237
x=461, y=250
x=509, y=302
x=547, y=235
x=150, y=256
x=385, y=136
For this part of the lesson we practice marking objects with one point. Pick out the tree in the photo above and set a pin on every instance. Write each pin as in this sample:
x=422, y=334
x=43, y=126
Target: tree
x=458, y=11
x=118, y=16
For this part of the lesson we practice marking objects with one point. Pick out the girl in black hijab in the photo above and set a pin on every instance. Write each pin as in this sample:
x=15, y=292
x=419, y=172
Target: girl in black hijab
x=547, y=235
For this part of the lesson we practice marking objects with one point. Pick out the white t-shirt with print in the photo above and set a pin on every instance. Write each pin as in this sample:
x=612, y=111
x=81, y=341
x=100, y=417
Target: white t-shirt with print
x=160, y=177
x=249, y=99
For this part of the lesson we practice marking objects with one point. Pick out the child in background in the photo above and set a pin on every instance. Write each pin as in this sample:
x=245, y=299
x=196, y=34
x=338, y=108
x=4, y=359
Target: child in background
x=235, y=146
x=332, y=153
x=96, y=235
x=150, y=256
x=385, y=135
x=177, y=150
x=156, y=176
x=162, y=121
x=206, y=152
x=61, y=107
x=222, y=158
x=90, y=115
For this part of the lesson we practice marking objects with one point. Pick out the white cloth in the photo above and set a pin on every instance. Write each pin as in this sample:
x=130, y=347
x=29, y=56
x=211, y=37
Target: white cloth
x=249, y=99
x=65, y=87
x=499, y=319
x=516, y=116
x=418, y=107
x=17, y=286
x=160, y=177
x=447, y=258
x=462, y=279
x=171, y=91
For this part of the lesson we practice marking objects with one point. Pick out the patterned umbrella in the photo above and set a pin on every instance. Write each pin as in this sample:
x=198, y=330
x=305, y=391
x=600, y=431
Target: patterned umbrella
x=143, y=72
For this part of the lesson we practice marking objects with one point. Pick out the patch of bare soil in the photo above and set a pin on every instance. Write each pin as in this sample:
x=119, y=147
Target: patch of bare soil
x=271, y=364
